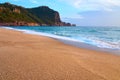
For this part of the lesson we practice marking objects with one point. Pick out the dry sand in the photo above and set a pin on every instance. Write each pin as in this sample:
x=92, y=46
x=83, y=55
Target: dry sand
x=31, y=57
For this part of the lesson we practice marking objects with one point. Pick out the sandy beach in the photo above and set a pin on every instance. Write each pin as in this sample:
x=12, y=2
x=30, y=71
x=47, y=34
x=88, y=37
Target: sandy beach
x=31, y=57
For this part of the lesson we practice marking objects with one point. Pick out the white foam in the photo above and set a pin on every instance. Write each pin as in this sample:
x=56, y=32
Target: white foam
x=7, y=27
x=41, y=33
x=104, y=44
x=50, y=35
x=93, y=41
x=100, y=43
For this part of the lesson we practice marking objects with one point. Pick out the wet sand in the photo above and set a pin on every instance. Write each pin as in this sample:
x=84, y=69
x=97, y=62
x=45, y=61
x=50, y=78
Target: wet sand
x=32, y=57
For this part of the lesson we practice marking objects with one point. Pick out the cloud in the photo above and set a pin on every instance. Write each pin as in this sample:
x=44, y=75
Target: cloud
x=107, y=5
x=74, y=16
x=97, y=18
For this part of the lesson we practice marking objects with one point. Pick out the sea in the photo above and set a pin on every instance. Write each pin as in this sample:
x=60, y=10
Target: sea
x=102, y=37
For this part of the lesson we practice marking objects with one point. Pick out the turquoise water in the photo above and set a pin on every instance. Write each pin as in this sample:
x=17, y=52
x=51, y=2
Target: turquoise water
x=103, y=37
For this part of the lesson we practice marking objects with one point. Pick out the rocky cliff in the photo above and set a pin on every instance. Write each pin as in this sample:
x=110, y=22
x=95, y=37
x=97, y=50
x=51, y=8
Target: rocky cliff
x=16, y=15
x=47, y=15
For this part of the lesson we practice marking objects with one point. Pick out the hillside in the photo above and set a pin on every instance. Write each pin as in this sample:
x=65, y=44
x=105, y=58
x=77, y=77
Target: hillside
x=47, y=15
x=13, y=15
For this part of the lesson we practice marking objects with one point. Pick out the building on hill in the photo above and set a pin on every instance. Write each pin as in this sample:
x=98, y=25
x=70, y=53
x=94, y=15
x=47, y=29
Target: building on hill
x=16, y=10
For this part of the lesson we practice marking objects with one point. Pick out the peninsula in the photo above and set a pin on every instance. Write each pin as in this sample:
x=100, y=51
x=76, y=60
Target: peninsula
x=13, y=15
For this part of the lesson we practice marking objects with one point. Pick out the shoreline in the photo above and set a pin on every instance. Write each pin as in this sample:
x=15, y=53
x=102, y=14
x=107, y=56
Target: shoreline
x=73, y=43
x=89, y=47
x=25, y=56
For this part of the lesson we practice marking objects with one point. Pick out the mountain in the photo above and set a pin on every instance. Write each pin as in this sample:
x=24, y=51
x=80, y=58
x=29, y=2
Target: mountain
x=47, y=15
x=13, y=15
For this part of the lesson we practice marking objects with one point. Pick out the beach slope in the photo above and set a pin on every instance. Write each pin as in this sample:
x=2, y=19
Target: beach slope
x=32, y=57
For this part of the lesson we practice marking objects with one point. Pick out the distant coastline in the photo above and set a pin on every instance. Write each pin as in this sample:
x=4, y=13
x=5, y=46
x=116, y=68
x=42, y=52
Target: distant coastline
x=13, y=15
x=22, y=23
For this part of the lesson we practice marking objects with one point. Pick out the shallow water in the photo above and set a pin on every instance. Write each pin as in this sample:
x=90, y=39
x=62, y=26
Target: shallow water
x=103, y=37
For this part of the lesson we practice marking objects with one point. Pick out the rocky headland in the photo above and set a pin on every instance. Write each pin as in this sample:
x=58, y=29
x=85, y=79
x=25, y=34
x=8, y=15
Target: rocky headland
x=13, y=15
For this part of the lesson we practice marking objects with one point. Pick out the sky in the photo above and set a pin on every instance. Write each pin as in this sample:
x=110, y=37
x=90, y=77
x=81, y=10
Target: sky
x=80, y=12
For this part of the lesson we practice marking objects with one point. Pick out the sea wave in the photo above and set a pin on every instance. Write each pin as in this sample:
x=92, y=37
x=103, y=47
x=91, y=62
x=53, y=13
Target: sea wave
x=88, y=40
x=104, y=44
